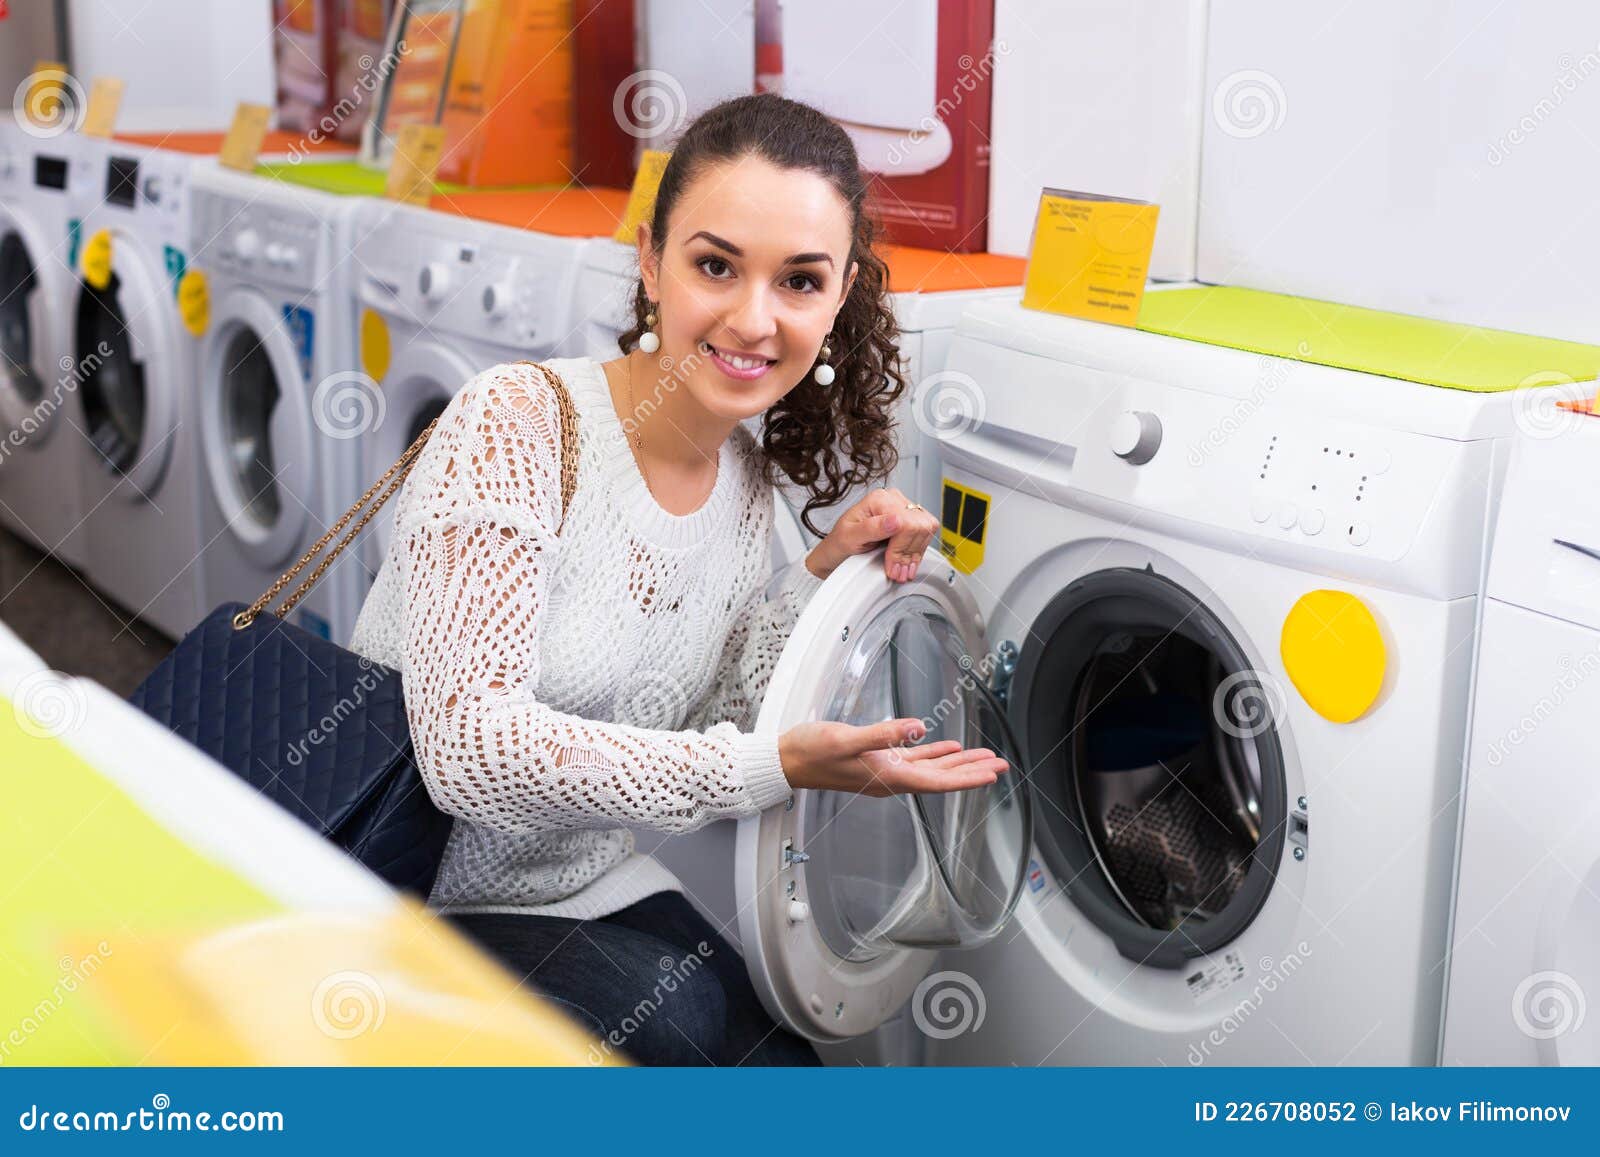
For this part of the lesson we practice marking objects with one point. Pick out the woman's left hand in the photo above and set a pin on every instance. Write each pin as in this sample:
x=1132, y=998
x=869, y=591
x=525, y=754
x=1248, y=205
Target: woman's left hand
x=882, y=517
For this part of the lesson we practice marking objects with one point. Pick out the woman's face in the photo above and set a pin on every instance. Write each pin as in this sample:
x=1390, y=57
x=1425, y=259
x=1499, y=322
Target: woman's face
x=754, y=268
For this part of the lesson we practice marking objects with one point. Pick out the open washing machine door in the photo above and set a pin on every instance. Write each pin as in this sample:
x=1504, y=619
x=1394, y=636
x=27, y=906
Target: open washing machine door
x=256, y=429
x=845, y=900
x=126, y=356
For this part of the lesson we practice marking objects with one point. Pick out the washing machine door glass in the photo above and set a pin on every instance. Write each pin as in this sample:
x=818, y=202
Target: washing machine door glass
x=1156, y=749
x=843, y=896
x=250, y=394
x=113, y=388
x=19, y=282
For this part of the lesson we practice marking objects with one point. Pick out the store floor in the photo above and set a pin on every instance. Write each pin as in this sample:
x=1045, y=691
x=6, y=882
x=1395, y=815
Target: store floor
x=69, y=624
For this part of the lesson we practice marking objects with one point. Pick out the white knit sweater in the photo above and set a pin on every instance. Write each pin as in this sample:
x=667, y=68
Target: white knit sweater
x=558, y=686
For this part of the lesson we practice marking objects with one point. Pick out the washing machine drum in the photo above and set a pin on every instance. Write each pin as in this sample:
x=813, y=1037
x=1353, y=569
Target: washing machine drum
x=113, y=388
x=19, y=280
x=1155, y=750
x=249, y=395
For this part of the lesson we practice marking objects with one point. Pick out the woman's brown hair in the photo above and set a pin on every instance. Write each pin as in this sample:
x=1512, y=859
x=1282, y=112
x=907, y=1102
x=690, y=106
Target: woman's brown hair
x=827, y=439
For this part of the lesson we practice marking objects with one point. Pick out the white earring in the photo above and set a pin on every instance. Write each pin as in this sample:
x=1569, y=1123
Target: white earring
x=649, y=340
x=823, y=374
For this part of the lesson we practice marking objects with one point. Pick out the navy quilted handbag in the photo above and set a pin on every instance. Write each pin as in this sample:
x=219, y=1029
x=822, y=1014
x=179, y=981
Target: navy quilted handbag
x=314, y=727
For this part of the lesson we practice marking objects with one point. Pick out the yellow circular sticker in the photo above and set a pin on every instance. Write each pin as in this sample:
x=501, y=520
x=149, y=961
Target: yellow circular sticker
x=1333, y=651
x=374, y=344
x=194, y=302
x=96, y=260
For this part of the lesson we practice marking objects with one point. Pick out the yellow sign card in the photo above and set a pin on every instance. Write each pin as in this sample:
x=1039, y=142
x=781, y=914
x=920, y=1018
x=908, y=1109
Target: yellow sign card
x=416, y=159
x=105, y=98
x=242, y=146
x=1090, y=256
x=642, y=198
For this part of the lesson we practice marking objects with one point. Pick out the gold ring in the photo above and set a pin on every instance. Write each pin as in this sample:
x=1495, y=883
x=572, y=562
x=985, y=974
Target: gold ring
x=914, y=506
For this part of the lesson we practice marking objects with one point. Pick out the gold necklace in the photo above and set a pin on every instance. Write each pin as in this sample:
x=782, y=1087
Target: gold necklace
x=633, y=412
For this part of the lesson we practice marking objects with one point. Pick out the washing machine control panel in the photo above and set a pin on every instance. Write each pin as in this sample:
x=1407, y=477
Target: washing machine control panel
x=1272, y=469
x=257, y=238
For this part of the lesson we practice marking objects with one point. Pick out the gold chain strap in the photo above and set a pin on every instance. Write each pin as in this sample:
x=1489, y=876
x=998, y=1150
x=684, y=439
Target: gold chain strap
x=389, y=483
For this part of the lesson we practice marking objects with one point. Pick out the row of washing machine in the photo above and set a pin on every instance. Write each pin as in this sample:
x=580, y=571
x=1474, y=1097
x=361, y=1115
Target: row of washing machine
x=1137, y=525
x=214, y=365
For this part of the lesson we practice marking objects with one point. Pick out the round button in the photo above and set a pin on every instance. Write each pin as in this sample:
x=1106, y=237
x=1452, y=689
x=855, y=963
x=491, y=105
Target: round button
x=273, y=253
x=1288, y=515
x=497, y=299
x=799, y=911
x=1311, y=521
x=1360, y=532
x=246, y=243
x=1261, y=509
x=434, y=280
x=1136, y=436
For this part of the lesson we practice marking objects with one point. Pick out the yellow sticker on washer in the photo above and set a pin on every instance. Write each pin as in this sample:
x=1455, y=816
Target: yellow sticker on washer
x=1334, y=653
x=95, y=263
x=374, y=344
x=194, y=302
x=963, y=524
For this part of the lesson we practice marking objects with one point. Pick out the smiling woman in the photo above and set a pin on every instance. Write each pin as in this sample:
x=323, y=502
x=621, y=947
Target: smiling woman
x=572, y=666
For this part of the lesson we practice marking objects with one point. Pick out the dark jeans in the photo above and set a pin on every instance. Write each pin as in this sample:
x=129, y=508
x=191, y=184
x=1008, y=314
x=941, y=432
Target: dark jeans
x=654, y=983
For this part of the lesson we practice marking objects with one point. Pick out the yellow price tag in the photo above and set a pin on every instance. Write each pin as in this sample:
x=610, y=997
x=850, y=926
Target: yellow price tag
x=1090, y=256
x=95, y=264
x=105, y=98
x=642, y=197
x=242, y=145
x=49, y=103
x=416, y=159
x=194, y=302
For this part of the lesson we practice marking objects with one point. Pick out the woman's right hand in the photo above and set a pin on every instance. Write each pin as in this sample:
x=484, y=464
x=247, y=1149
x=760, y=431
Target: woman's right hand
x=881, y=759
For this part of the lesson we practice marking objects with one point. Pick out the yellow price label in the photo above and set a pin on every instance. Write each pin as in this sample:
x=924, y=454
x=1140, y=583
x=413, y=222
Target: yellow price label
x=194, y=302
x=48, y=103
x=1090, y=256
x=95, y=264
x=242, y=145
x=416, y=159
x=642, y=197
x=105, y=98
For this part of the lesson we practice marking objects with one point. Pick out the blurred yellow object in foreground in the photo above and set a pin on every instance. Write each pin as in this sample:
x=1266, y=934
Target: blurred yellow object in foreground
x=154, y=910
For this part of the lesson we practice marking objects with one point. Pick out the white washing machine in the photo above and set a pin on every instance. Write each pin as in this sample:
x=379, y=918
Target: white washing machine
x=440, y=298
x=136, y=362
x=1524, y=968
x=1218, y=613
x=279, y=407
x=42, y=452
x=1231, y=599
x=927, y=316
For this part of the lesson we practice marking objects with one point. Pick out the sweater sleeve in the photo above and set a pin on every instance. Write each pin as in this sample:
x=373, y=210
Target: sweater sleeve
x=479, y=543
